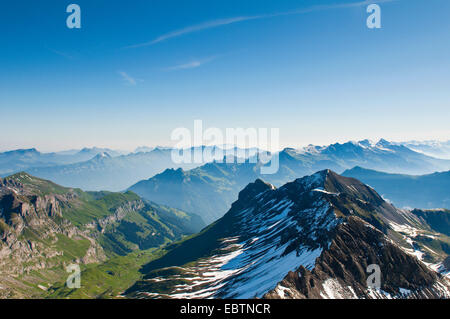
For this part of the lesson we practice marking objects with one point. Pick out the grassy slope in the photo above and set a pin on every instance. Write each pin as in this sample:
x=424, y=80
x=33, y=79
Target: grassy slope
x=109, y=279
x=96, y=205
x=37, y=185
x=32, y=284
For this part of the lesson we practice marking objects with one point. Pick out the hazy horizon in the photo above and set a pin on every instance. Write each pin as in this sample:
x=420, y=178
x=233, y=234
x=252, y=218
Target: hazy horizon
x=131, y=150
x=132, y=74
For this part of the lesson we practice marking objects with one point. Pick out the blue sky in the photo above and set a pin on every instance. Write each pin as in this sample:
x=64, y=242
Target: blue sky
x=136, y=70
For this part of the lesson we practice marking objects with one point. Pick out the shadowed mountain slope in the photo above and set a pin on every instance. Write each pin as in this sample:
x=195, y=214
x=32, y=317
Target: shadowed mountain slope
x=322, y=221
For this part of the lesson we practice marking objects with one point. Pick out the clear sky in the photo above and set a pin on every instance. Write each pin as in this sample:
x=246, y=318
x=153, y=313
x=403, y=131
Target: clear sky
x=136, y=70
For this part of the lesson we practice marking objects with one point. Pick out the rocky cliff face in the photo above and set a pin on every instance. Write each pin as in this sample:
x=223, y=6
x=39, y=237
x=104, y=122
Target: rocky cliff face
x=118, y=214
x=341, y=271
x=45, y=227
x=35, y=237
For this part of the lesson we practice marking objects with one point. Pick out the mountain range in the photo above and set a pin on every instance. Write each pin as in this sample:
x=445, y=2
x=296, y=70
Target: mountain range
x=314, y=237
x=210, y=189
x=105, y=169
x=439, y=149
x=105, y=172
x=383, y=155
x=412, y=191
x=100, y=169
x=19, y=160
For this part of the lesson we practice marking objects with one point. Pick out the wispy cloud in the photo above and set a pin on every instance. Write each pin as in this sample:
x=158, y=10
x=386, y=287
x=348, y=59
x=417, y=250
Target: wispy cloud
x=223, y=22
x=192, y=64
x=194, y=28
x=61, y=53
x=127, y=78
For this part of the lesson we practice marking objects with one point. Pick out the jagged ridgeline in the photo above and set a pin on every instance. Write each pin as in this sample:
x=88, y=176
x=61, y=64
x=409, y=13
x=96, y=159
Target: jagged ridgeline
x=44, y=227
x=311, y=238
x=209, y=190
